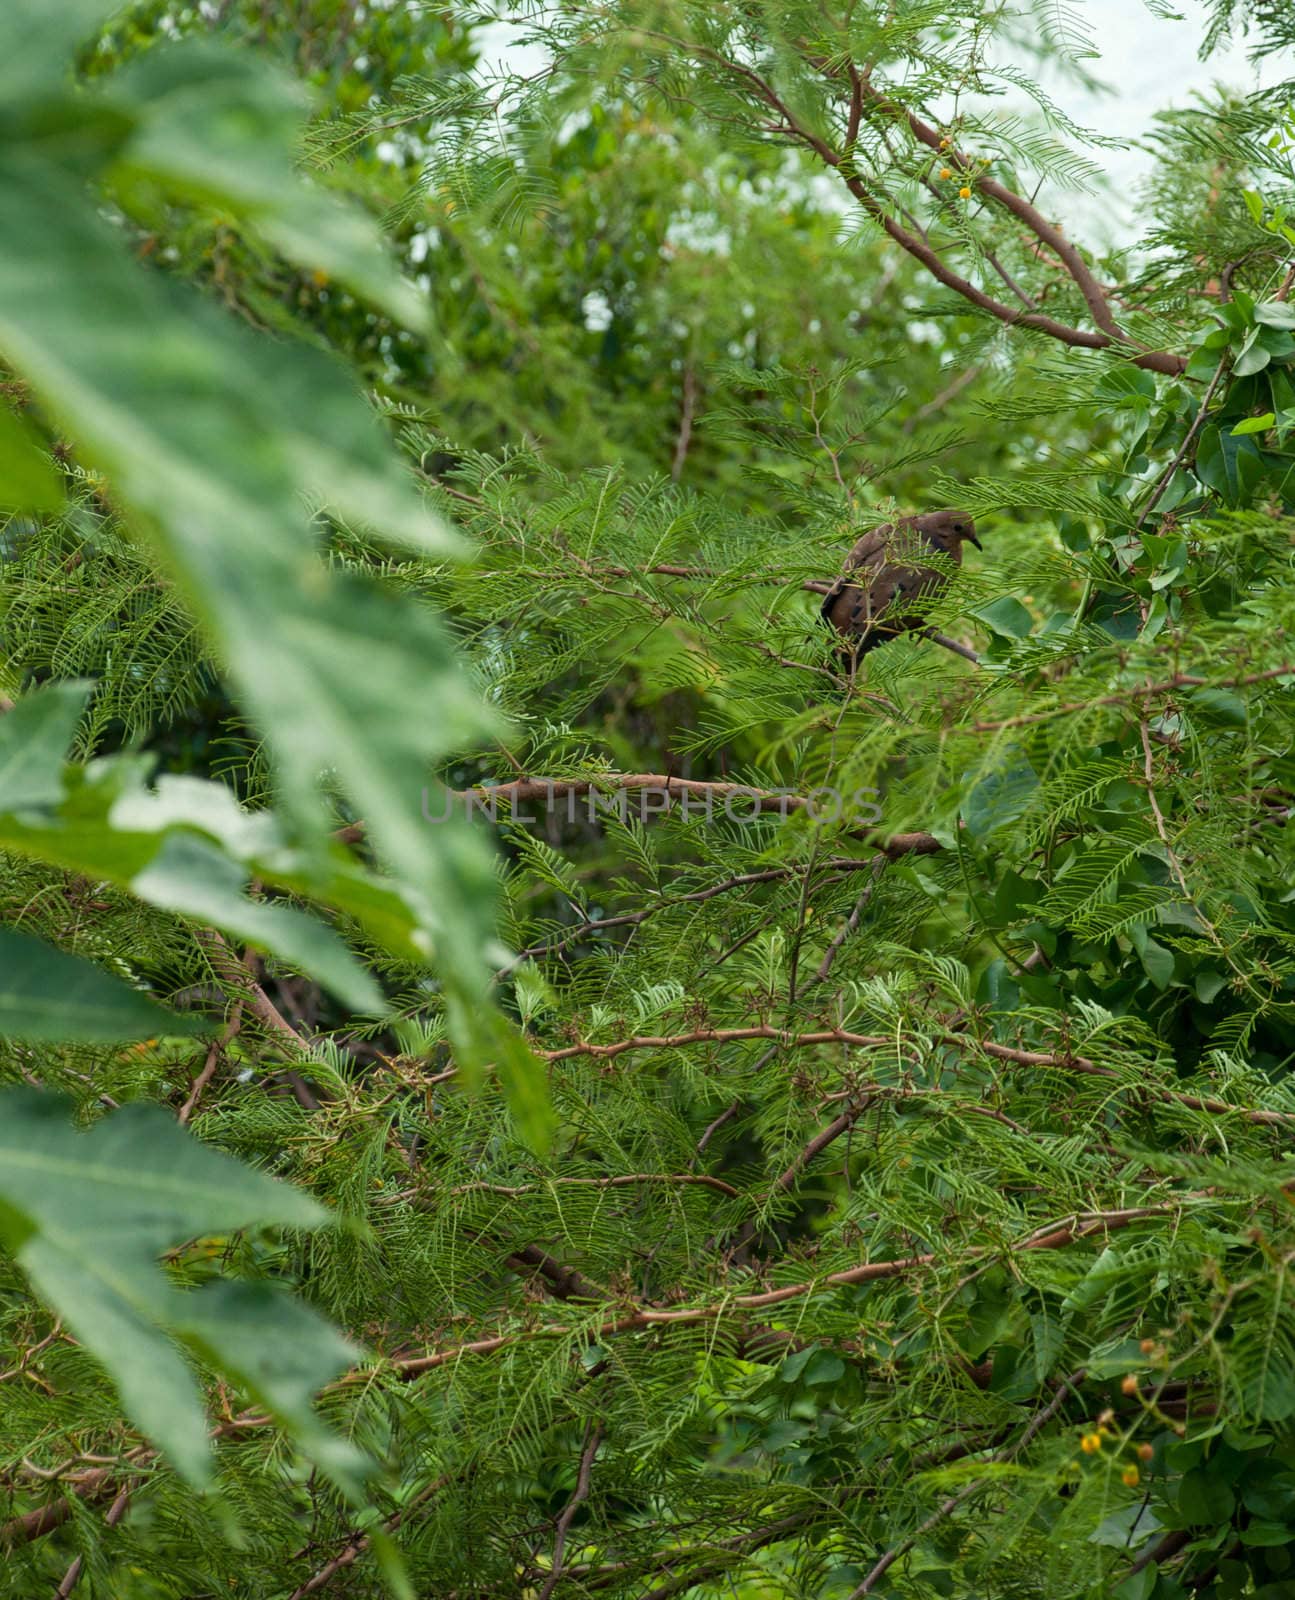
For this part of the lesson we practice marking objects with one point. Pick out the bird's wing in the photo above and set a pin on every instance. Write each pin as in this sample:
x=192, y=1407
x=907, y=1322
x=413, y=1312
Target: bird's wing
x=869, y=551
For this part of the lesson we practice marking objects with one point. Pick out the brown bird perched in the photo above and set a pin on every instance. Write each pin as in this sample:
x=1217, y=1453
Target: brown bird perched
x=891, y=560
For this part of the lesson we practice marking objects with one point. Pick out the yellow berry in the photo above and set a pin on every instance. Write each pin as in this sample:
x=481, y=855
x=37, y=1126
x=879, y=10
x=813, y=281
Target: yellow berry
x=1146, y=1451
x=1130, y=1477
x=1130, y=1384
x=944, y=144
x=1091, y=1443
x=964, y=193
x=946, y=172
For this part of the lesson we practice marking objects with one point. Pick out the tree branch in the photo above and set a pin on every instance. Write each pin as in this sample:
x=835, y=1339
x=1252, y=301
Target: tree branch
x=593, y=1439
x=1047, y=233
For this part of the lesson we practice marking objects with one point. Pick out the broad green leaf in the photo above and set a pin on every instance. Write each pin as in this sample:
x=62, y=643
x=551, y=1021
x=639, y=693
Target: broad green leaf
x=1209, y=984
x=215, y=439
x=1276, y=314
x=1220, y=705
x=45, y=993
x=222, y=129
x=37, y=38
x=1226, y=465
x=88, y=1214
x=1273, y=1535
x=1000, y=797
x=1158, y=963
x=187, y=847
x=1127, y=1528
x=1253, y=358
x=824, y=1367
x=227, y=425
x=1126, y=386
x=1007, y=617
x=34, y=740
x=1254, y=424
x=277, y=1349
x=1139, y=1585
x=1205, y=1496
x=192, y=853
x=27, y=481
x=1279, y=344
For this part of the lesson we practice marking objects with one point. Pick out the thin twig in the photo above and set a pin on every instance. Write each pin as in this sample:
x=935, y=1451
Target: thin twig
x=624, y=1180
x=359, y=1543
x=951, y=391
x=593, y=1439
x=209, y=1066
x=919, y=248
x=878, y=866
x=238, y=971
x=965, y=651
x=687, y=406
x=1053, y=1236
x=1147, y=691
x=1166, y=477
x=115, y=1513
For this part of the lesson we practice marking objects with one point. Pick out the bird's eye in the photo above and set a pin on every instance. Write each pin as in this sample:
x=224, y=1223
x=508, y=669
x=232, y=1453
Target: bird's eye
x=958, y=528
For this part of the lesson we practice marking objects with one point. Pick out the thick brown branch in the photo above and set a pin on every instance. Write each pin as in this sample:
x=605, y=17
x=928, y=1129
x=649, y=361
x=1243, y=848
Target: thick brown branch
x=522, y=791
x=1053, y=1237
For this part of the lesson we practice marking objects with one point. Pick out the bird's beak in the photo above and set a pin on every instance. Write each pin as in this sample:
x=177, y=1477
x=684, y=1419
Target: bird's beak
x=977, y=543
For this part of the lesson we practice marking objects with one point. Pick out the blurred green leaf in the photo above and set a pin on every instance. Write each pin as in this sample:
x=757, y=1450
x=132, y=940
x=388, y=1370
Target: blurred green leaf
x=45, y=993
x=27, y=481
x=1276, y=314
x=220, y=129
x=1007, y=617
x=88, y=1214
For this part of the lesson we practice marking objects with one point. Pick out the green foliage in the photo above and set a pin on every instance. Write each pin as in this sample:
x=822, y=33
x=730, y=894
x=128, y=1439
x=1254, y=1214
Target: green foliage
x=87, y=1215
x=915, y=1217
x=45, y=994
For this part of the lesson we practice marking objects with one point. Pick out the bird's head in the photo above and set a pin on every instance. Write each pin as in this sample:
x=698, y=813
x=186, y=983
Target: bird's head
x=947, y=529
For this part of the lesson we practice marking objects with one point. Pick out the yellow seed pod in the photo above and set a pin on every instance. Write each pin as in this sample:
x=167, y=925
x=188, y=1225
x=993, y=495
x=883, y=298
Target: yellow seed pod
x=1130, y=1384
x=1130, y=1476
x=946, y=172
x=1146, y=1451
x=964, y=193
x=1091, y=1443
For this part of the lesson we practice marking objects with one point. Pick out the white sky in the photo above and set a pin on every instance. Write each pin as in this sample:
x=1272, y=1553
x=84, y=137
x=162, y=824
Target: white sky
x=1148, y=64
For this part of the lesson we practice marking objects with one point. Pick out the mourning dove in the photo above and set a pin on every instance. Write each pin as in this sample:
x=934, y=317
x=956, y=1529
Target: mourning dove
x=890, y=559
